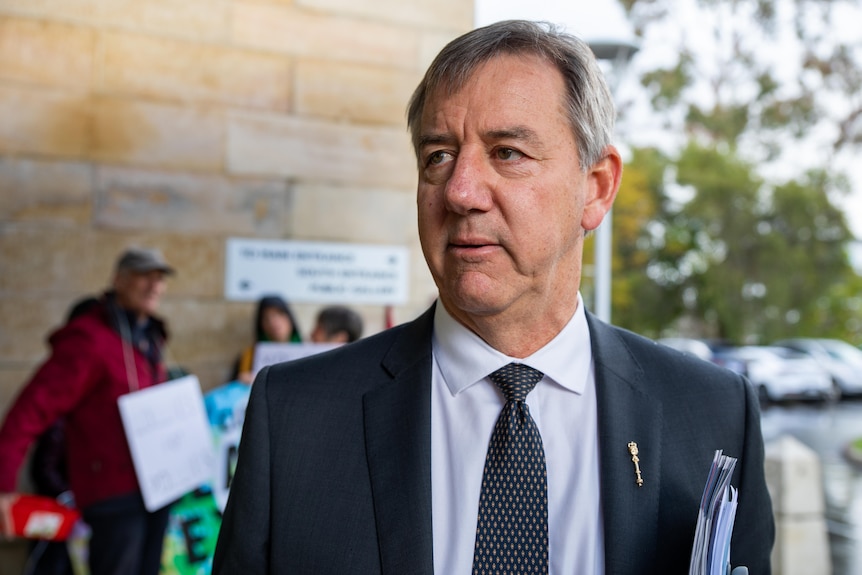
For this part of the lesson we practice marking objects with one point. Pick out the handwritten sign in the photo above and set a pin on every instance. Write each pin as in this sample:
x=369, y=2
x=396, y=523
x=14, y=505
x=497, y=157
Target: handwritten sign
x=316, y=272
x=194, y=520
x=169, y=436
x=269, y=353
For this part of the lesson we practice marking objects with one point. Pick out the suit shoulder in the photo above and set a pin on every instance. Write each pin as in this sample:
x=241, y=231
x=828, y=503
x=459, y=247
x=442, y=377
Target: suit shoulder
x=659, y=362
x=387, y=351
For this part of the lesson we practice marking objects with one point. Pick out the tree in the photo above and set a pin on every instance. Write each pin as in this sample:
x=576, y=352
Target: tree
x=638, y=300
x=749, y=244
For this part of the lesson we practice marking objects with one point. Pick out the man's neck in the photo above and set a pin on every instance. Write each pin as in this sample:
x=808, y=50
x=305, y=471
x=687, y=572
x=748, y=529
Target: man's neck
x=137, y=319
x=518, y=334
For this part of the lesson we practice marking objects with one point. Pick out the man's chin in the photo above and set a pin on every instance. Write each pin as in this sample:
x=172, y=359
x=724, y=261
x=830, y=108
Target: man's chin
x=147, y=308
x=475, y=302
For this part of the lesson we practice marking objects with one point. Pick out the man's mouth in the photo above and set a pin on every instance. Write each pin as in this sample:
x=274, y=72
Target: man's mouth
x=472, y=248
x=468, y=245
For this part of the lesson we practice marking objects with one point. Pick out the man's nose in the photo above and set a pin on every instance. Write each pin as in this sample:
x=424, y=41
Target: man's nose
x=469, y=185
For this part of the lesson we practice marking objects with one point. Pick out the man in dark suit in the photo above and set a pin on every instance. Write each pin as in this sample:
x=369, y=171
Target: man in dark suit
x=383, y=456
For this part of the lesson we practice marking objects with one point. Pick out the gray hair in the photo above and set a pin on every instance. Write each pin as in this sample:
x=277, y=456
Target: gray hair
x=587, y=98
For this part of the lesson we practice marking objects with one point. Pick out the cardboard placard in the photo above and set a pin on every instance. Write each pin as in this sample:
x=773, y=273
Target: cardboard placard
x=170, y=439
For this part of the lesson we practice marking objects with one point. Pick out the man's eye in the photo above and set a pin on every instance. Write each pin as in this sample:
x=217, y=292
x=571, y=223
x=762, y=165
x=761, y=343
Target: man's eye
x=436, y=158
x=508, y=154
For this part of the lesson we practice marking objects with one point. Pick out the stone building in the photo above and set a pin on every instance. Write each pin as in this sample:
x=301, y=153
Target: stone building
x=179, y=124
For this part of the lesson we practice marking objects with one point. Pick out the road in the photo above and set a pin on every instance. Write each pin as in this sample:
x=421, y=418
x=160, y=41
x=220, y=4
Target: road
x=827, y=429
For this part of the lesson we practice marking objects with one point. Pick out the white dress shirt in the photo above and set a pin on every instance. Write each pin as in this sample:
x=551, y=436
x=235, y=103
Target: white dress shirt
x=465, y=405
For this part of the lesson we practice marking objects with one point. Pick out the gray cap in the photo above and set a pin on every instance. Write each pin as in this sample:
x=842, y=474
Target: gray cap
x=143, y=260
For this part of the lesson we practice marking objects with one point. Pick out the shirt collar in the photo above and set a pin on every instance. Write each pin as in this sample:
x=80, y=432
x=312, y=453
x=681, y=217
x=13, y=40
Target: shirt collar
x=465, y=359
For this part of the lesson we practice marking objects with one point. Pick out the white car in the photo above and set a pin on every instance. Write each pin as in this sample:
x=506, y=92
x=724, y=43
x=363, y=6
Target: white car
x=839, y=358
x=690, y=346
x=779, y=373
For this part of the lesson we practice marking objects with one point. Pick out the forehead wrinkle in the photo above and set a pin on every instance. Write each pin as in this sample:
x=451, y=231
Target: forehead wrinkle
x=520, y=133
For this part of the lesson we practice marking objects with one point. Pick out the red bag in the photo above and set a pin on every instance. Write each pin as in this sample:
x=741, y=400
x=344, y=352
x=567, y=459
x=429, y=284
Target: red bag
x=39, y=517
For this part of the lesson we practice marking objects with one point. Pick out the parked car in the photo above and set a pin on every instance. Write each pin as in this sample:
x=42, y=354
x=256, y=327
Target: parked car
x=779, y=373
x=839, y=358
x=691, y=346
x=705, y=349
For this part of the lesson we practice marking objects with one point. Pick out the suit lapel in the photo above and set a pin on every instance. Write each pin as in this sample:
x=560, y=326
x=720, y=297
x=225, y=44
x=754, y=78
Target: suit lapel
x=397, y=419
x=626, y=413
x=398, y=445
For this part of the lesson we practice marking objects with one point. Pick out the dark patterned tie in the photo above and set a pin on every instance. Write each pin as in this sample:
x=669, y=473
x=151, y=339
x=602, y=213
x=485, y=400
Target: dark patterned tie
x=512, y=532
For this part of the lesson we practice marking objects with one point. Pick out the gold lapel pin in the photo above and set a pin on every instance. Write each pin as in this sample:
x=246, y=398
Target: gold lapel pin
x=633, y=449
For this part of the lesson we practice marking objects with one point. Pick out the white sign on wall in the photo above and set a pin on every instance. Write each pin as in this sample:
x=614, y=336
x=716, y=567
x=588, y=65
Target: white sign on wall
x=318, y=272
x=170, y=439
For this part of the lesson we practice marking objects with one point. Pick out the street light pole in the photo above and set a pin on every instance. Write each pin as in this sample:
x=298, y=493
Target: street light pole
x=602, y=267
x=618, y=54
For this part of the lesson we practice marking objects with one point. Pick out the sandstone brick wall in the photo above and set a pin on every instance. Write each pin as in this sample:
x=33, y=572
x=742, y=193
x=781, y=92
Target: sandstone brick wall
x=180, y=123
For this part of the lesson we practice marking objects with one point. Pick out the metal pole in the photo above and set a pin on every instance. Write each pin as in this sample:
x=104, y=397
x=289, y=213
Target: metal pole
x=619, y=54
x=603, y=257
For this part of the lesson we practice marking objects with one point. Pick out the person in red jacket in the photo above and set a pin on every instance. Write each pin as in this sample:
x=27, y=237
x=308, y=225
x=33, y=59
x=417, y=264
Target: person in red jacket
x=112, y=349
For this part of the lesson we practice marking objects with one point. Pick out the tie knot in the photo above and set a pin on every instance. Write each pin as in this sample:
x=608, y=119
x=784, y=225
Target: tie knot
x=516, y=380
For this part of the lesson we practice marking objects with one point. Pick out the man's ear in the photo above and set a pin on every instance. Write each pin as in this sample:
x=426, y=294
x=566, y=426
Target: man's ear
x=603, y=182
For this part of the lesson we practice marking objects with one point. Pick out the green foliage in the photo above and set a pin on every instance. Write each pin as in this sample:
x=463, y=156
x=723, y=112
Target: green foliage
x=754, y=264
x=636, y=298
x=795, y=114
x=705, y=233
x=767, y=85
x=668, y=84
x=721, y=123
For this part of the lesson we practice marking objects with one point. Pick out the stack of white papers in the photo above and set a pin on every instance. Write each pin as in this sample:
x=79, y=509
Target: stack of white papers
x=710, y=554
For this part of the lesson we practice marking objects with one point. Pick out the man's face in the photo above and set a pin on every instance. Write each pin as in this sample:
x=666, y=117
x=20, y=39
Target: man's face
x=502, y=201
x=140, y=292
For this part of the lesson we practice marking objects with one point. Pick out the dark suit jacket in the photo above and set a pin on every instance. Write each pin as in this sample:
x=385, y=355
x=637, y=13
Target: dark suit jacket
x=334, y=471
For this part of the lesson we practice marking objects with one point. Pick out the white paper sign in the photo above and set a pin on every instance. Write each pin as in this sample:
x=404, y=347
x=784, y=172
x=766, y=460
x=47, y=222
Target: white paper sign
x=317, y=272
x=269, y=353
x=170, y=439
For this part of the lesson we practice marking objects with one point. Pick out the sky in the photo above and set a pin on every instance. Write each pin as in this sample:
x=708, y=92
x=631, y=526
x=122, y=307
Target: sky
x=605, y=20
x=592, y=20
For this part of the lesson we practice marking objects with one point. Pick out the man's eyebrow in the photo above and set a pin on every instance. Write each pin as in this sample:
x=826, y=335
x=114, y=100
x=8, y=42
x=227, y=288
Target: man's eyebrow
x=514, y=133
x=435, y=139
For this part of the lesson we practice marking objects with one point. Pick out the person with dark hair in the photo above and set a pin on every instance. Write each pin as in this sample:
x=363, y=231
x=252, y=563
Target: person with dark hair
x=273, y=322
x=337, y=324
x=113, y=347
x=506, y=429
